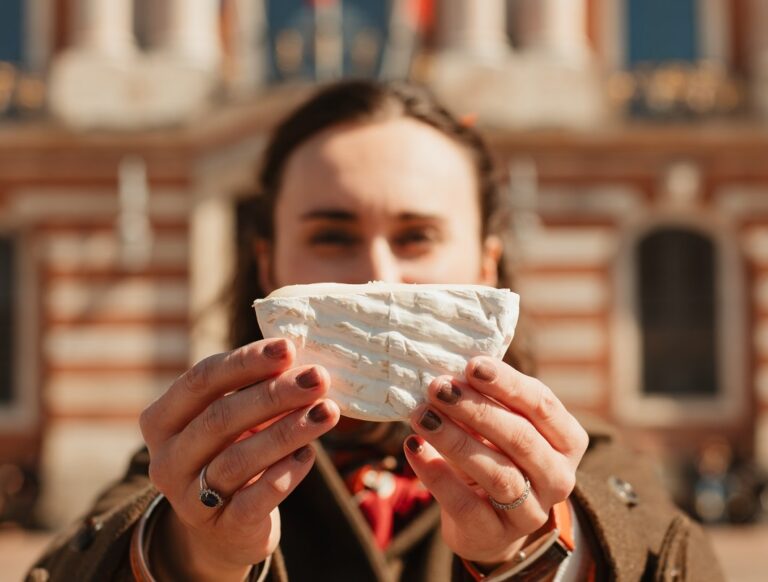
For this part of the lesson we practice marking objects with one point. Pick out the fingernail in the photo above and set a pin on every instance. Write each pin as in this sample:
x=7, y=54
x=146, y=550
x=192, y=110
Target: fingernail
x=319, y=413
x=303, y=454
x=484, y=372
x=430, y=420
x=308, y=379
x=414, y=444
x=276, y=350
x=448, y=393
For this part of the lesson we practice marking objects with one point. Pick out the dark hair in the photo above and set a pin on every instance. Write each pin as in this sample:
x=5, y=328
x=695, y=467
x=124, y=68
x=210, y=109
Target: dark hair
x=337, y=104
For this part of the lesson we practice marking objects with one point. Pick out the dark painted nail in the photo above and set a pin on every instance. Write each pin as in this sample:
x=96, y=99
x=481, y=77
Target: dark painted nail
x=484, y=372
x=448, y=393
x=414, y=444
x=319, y=413
x=276, y=350
x=430, y=420
x=303, y=454
x=308, y=379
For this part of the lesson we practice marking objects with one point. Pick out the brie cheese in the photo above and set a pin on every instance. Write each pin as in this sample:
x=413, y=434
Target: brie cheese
x=384, y=343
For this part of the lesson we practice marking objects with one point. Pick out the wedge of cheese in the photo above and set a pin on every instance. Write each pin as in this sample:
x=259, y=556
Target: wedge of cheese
x=384, y=343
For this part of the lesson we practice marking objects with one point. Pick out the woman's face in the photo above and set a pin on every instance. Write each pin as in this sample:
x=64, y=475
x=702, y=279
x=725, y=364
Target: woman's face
x=393, y=201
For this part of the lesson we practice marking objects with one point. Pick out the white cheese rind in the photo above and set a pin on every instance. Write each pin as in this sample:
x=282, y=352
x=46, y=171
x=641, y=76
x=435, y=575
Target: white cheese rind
x=384, y=343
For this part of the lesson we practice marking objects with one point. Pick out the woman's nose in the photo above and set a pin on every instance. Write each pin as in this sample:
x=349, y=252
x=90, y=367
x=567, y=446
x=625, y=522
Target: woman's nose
x=383, y=263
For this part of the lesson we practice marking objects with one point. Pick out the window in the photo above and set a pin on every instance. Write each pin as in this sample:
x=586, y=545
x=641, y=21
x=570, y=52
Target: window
x=7, y=327
x=661, y=31
x=11, y=31
x=676, y=291
x=680, y=330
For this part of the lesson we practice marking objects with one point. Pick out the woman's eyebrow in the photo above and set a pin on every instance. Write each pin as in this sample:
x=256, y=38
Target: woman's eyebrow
x=340, y=215
x=408, y=216
x=330, y=214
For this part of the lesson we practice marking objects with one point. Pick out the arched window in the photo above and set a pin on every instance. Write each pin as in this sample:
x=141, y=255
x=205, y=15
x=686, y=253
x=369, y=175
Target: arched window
x=7, y=324
x=677, y=301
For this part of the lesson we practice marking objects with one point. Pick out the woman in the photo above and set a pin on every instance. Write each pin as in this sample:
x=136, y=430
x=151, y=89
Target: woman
x=368, y=181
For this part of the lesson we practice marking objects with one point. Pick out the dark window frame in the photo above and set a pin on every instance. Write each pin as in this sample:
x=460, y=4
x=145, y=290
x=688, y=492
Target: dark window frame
x=8, y=320
x=676, y=282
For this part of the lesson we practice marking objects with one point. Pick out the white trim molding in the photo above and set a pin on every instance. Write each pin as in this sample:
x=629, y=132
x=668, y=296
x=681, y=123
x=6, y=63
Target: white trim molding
x=630, y=405
x=220, y=181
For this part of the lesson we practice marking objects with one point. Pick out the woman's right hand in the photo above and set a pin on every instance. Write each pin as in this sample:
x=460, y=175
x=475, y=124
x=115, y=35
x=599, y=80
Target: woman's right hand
x=249, y=416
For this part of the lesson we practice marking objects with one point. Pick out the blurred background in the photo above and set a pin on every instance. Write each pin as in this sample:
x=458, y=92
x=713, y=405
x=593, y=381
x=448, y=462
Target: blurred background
x=632, y=137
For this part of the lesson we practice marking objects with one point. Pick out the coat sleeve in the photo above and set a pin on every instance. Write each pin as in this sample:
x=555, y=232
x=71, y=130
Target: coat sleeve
x=700, y=562
x=97, y=546
x=635, y=529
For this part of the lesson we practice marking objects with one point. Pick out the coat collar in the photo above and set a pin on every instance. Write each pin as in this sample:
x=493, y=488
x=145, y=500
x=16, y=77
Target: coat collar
x=324, y=492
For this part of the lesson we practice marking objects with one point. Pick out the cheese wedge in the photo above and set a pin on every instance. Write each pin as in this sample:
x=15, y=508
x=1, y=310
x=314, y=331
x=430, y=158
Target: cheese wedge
x=384, y=343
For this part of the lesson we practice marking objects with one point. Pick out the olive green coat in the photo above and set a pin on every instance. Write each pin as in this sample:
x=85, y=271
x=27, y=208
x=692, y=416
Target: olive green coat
x=634, y=530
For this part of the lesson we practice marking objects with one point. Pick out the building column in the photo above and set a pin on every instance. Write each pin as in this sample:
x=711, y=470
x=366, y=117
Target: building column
x=105, y=27
x=193, y=32
x=558, y=28
x=328, y=43
x=251, y=66
x=475, y=28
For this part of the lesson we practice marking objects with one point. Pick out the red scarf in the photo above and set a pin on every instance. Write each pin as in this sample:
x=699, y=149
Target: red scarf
x=387, y=498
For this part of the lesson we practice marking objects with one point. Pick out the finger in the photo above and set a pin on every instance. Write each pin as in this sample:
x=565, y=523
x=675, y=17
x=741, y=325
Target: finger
x=454, y=496
x=531, y=398
x=238, y=464
x=510, y=433
x=210, y=379
x=227, y=418
x=249, y=507
x=491, y=470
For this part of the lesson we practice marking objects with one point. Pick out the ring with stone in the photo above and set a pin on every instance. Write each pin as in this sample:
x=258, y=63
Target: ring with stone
x=209, y=497
x=517, y=502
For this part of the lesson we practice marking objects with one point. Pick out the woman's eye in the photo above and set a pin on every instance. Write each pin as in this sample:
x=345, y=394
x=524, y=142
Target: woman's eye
x=333, y=238
x=418, y=239
x=416, y=236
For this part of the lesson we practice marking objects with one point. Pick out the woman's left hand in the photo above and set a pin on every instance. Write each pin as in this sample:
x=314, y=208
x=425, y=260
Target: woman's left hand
x=481, y=439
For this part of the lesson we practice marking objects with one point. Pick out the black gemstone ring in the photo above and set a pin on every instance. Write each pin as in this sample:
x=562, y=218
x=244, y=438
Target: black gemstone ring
x=209, y=497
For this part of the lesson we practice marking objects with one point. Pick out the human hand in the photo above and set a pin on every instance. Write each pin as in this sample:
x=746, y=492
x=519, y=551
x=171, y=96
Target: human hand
x=481, y=439
x=249, y=417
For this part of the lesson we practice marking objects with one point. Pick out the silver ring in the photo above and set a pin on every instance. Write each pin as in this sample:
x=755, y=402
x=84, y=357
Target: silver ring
x=517, y=502
x=209, y=497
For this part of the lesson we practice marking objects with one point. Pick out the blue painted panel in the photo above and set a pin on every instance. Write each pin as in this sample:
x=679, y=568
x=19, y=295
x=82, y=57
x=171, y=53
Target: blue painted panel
x=662, y=30
x=12, y=31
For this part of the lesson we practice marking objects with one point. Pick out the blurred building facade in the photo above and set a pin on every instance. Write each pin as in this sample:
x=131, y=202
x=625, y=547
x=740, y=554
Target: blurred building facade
x=633, y=135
